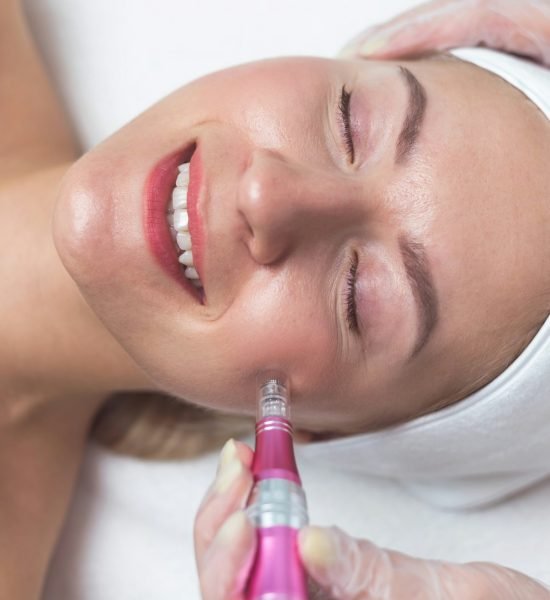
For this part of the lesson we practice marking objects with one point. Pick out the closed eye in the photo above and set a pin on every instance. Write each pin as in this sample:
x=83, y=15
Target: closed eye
x=344, y=120
x=350, y=302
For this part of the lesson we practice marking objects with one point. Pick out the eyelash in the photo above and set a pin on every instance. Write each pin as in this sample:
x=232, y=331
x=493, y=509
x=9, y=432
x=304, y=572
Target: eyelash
x=351, y=307
x=345, y=121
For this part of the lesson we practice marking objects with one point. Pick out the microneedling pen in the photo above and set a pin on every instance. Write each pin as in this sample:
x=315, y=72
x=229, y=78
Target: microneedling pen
x=277, y=503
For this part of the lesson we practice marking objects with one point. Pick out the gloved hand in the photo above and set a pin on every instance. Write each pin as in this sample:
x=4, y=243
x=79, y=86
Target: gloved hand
x=515, y=26
x=354, y=569
x=225, y=540
x=340, y=567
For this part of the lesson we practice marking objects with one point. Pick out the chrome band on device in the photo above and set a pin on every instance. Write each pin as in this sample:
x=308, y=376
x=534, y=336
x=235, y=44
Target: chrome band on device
x=268, y=424
x=277, y=502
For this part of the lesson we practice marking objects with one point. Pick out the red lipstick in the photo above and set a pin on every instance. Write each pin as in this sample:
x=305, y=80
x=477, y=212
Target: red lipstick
x=158, y=190
x=194, y=195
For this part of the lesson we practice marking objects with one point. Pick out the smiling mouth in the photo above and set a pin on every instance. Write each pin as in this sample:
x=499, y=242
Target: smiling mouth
x=178, y=221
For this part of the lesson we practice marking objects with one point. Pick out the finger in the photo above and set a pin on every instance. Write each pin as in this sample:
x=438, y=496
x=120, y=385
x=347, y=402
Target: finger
x=316, y=592
x=506, y=26
x=351, y=568
x=227, y=562
x=379, y=38
x=228, y=493
x=517, y=27
x=231, y=451
x=446, y=26
x=502, y=582
x=332, y=558
x=423, y=11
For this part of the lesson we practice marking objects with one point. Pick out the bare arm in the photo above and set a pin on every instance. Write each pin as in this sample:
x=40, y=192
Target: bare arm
x=34, y=130
x=40, y=452
x=41, y=438
x=42, y=432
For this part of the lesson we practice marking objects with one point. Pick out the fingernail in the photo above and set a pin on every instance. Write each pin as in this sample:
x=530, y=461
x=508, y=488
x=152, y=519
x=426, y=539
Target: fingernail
x=227, y=474
x=373, y=45
x=232, y=528
x=228, y=452
x=316, y=546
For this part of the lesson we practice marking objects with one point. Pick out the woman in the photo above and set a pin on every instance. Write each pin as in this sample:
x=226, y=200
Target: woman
x=312, y=193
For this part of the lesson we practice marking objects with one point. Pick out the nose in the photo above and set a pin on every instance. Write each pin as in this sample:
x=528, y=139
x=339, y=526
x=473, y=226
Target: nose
x=286, y=203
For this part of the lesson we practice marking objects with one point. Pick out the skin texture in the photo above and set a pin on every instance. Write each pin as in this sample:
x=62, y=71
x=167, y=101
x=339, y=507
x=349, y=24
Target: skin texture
x=283, y=204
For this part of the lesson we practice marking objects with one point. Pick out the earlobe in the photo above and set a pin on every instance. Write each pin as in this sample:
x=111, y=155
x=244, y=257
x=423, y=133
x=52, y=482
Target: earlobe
x=301, y=436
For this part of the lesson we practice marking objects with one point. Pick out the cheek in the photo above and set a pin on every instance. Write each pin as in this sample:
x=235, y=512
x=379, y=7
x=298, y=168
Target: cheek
x=263, y=338
x=285, y=336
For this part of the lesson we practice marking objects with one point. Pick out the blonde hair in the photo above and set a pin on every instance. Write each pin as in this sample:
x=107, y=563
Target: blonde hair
x=161, y=427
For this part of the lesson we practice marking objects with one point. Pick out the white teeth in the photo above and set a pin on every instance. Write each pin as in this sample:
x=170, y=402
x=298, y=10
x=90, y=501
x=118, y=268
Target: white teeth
x=184, y=241
x=191, y=273
x=179, y=225
x=183, y=179
x=186, y=259
x=179, y=197
x=181, y=220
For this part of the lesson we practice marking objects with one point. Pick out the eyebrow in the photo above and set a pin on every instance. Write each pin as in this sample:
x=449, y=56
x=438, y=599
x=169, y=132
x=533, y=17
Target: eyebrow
x=413, y=119
x=420, y=279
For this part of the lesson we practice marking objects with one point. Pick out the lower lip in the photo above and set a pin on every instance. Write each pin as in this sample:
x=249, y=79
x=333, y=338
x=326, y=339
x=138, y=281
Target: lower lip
x=158, y=190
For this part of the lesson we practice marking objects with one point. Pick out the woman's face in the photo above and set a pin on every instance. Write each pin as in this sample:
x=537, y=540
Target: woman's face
x=372, y=229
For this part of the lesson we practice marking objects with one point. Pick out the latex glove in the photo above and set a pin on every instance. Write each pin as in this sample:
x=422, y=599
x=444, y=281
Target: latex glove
x=353, y=569
x=340, y=567
x=225, y=540
x=515, y=26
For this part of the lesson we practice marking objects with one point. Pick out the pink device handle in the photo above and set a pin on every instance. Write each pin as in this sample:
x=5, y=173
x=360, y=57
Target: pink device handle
x=274, y=452
x=278, y=507
x=277, y=573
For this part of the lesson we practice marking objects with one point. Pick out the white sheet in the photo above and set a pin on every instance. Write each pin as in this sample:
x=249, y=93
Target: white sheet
x=129, y=533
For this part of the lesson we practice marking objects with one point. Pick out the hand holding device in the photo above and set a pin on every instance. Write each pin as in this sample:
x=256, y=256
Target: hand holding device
x=340, y=567
x=263, y=552
x=348, y=568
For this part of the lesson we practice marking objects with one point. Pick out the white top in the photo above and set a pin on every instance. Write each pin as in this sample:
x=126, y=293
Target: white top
x=494, y=442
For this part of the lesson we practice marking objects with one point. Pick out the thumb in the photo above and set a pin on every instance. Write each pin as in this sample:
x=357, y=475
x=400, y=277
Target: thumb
x=342, y=565
x=350, y=568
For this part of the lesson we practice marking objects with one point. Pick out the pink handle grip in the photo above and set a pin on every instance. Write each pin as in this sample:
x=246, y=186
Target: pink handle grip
x=275, y=574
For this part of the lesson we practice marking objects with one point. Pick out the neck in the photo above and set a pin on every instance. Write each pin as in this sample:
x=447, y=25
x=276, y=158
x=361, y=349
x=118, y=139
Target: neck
x=53, y=345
